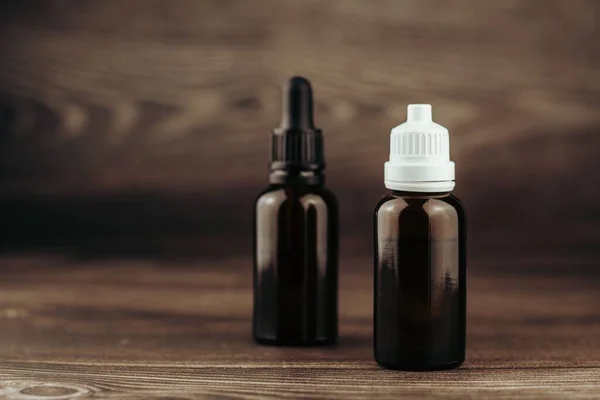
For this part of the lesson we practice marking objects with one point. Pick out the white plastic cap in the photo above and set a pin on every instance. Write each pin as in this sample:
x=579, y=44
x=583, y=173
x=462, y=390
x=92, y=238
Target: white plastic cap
x=419, y=154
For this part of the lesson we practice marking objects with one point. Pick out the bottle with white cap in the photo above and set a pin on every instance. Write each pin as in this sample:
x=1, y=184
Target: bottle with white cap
x=420, y=252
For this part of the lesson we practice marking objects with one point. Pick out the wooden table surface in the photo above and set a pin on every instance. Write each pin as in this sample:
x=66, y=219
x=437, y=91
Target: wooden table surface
x=181, y=330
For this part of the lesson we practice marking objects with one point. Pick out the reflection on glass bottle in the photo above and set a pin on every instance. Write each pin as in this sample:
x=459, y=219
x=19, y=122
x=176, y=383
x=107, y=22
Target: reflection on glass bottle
x=420, y=281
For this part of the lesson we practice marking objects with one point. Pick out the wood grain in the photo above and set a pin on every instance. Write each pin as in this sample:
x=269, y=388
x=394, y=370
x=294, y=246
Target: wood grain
x=127, y=127
x=143, y=329
x=301, y=380
x=145, y=93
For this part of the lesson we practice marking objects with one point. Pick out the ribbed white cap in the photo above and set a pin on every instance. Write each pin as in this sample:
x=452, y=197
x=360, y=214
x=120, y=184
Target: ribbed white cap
x=419, y=154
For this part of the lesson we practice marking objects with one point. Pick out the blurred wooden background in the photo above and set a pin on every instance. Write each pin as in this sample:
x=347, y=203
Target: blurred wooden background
x=142, y=127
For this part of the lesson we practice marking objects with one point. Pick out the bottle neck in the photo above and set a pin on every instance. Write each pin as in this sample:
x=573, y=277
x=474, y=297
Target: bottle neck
x=403, y=193
x=296, y=177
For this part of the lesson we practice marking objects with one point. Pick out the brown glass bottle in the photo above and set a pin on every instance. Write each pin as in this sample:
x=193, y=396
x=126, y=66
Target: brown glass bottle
x=420, y=281
x=295, y=287
x=296, y=235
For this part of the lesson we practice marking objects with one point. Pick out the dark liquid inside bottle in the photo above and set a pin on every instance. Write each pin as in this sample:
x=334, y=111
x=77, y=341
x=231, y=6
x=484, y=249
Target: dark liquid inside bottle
x=295, y=279
x=420, y=281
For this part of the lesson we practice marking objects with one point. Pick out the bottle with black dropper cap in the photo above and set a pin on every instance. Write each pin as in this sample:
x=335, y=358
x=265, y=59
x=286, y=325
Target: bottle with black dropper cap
x=296, y=234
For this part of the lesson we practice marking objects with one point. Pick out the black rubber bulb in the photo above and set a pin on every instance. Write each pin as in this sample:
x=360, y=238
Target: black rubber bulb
x=297, y=110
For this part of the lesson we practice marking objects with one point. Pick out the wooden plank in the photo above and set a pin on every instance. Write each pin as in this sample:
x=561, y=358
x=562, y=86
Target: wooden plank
x=297, y=380
x=145, y=329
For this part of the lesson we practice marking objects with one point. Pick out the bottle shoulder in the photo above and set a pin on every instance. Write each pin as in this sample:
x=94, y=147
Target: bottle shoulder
x=394, y=204
x=277, y=194
x=384, y=199
x=456, y=203
x=328, y=196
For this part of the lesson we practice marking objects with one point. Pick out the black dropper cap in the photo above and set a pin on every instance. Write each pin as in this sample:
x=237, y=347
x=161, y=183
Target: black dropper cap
x=297, y=144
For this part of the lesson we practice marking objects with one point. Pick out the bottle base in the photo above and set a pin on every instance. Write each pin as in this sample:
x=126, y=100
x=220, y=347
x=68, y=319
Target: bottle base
x=294, y=342
x=420, y=367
